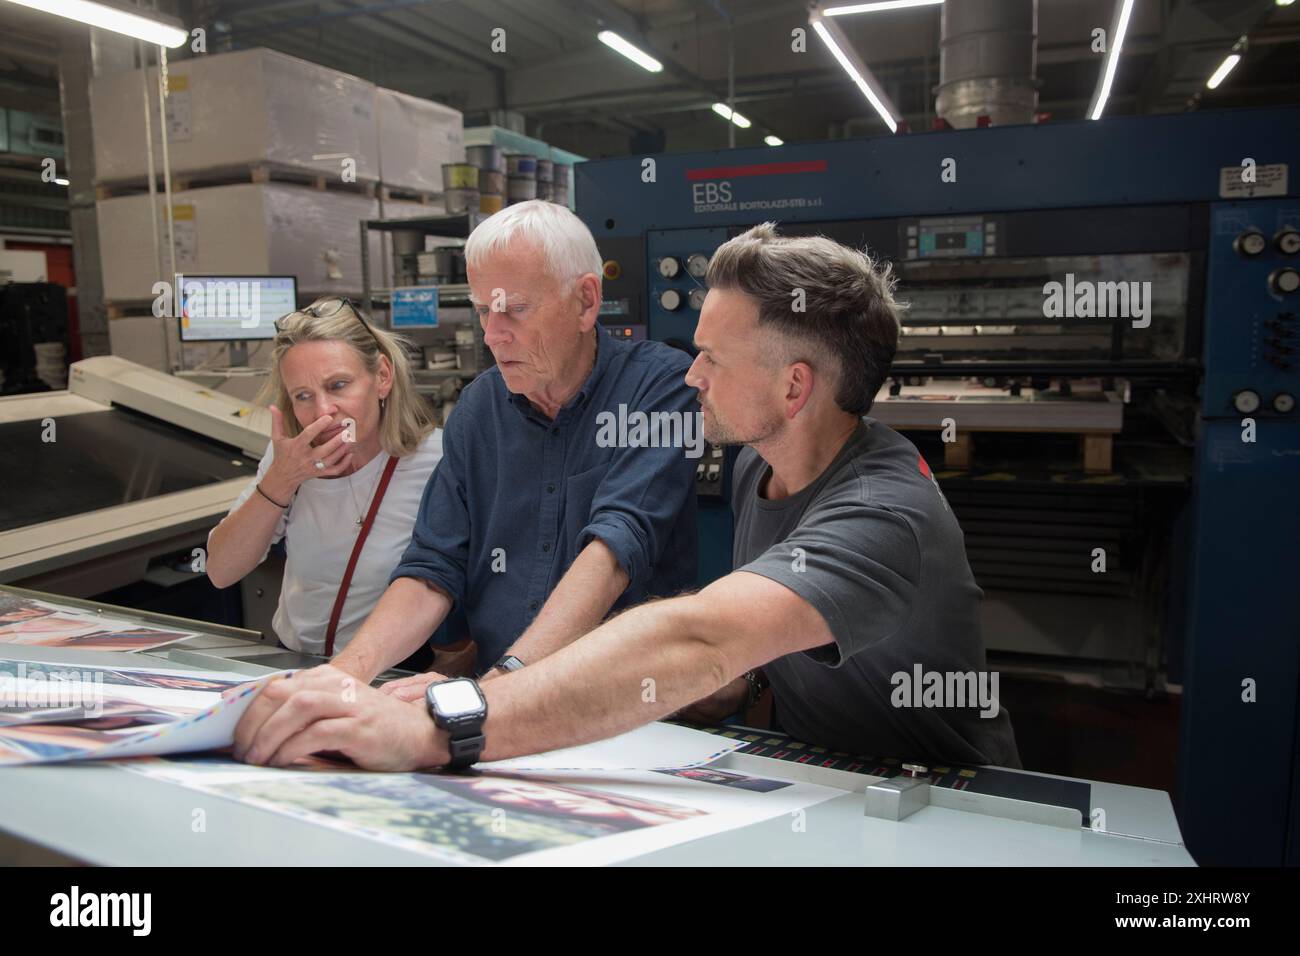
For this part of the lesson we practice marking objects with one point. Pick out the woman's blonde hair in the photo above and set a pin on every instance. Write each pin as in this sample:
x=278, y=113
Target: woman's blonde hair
x=405, y=419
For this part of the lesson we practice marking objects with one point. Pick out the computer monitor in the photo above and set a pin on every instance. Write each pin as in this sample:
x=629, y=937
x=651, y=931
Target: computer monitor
x=234, y=309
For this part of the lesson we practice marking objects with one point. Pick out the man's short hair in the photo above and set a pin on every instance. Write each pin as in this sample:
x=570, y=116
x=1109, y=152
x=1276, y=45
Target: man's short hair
x=564, y=240
x=849, y=324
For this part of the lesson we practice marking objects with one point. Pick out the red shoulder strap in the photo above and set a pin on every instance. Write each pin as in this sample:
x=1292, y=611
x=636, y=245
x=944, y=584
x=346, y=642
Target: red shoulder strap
x=356, y=553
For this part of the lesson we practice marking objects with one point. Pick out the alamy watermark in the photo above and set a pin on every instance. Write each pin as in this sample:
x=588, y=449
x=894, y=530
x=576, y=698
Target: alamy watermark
x=947, y=689
x=637, y=429
x=41, y=689
x=210, y=298
x=1085, y=299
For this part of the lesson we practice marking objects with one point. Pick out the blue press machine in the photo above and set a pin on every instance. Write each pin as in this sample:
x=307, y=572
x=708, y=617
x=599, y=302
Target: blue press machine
x=1153, y=184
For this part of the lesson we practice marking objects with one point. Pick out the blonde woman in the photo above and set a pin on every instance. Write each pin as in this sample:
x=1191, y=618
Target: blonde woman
x=352, y=447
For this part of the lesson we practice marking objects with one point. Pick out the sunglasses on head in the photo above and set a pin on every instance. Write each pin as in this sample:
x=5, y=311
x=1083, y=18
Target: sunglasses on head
x=328, y=308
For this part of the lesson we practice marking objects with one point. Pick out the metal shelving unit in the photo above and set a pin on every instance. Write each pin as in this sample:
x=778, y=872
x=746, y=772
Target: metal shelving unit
x=454, y=295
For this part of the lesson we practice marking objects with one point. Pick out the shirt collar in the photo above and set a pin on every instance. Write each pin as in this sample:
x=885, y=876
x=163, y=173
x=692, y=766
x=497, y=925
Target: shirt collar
x=584, y=393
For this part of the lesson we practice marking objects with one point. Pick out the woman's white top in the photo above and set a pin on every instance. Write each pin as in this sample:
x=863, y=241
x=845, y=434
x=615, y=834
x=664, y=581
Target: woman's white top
x=320, y=528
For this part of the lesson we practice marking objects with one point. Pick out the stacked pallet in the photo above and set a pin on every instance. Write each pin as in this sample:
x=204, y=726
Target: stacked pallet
x=274, y=162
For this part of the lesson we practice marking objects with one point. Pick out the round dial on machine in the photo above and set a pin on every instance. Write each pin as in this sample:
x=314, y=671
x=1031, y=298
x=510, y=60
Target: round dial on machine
x=670, y=299
x=698, y=265
x=1284, y=402
x=1246, y=401
x=1288, y=241
x=1250, y=243
x=696, y=298
x=669, y=267
x=1284, y=281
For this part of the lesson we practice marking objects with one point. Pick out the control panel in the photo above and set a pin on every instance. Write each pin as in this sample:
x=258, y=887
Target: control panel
x=948, y=237
x=1252, y=348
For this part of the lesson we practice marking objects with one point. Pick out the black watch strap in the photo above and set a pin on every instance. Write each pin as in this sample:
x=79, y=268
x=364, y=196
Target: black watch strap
x=465, y=750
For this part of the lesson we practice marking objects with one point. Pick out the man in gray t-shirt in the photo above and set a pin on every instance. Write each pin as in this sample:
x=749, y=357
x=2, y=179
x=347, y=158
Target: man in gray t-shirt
x=872, y=545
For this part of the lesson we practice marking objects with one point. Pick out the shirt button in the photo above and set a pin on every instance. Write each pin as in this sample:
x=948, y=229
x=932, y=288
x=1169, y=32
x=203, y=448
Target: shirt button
x=555, y=431
x=532, y=606
x=551, y=488
x=546, y=547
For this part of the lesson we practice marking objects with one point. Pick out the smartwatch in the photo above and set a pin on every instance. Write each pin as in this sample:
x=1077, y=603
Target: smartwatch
x=458, y=707
x=508, y=663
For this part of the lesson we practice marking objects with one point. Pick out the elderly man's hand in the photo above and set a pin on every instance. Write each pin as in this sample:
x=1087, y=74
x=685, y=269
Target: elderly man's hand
x=325, y=709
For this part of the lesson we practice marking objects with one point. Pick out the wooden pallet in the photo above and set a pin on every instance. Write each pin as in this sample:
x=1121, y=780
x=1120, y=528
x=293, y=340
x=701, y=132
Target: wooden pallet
x=234, y=175
x=389, y=193
x=129, y=310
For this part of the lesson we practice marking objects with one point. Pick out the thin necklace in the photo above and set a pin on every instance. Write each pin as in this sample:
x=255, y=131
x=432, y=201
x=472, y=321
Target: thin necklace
x=352, y=491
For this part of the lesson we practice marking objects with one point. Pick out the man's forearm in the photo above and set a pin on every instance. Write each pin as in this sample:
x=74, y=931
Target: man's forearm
x=642, y=665
x=579, y=602
x=409, y=611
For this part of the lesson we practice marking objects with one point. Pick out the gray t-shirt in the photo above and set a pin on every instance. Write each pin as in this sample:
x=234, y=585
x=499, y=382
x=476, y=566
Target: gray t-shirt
x=873, y=546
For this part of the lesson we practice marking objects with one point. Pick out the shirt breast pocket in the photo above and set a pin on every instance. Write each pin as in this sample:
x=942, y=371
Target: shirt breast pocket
x=579, y=490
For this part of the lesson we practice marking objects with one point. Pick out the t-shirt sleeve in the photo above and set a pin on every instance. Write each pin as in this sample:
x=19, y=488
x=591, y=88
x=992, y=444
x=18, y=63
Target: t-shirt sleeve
x=251, y=489
x=857, y=564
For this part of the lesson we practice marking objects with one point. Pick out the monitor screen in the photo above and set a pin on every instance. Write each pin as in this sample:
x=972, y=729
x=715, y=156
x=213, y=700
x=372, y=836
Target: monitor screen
x=233, y=308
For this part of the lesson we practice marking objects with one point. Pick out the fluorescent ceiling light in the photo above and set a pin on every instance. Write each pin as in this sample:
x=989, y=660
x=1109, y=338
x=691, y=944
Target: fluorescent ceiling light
x=853, y=8
x=1224, y=69
x=1112, y=60
x=637, y=56
x=773, y=140
x=855, y=76
x=725, y=111
x=111, y=18
x=61, y=182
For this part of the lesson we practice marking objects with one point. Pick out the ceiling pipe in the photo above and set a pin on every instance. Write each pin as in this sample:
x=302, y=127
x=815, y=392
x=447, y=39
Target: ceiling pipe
x=987, y=62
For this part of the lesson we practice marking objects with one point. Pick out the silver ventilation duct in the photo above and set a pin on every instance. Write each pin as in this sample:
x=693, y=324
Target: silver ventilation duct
x=988, y=54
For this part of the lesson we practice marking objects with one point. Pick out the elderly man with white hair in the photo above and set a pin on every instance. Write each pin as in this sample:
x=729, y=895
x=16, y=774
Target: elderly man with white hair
x=531, y=522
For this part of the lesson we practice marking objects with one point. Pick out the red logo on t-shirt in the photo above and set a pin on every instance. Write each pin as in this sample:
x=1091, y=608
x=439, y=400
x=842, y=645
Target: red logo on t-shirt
x=925, y=470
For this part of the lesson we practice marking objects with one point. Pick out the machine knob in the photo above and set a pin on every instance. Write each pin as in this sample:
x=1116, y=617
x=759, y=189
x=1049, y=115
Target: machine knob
x=669, y=267
x=1288, y=241
x=696, y=298
x=1246, y=401
x=698, y=265
x=670, y=299
x=1284, y=402
x=1250, y=243
x=1284, y=281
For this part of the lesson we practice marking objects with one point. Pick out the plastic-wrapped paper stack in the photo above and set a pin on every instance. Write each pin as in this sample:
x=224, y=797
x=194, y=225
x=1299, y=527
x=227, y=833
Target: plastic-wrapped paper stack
x=231, y=110
x=416, y=137
x=241, y=229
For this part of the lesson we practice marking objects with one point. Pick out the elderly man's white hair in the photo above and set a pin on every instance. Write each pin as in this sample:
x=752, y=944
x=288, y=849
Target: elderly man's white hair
x=564, y=240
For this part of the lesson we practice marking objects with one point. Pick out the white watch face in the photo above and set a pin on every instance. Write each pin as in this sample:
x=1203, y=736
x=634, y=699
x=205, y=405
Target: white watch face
x=457, y=698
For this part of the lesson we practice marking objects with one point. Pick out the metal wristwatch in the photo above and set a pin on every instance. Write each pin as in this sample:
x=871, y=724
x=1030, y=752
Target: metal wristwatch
x=758, y=683
x=508, y=663
x=459, y=707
